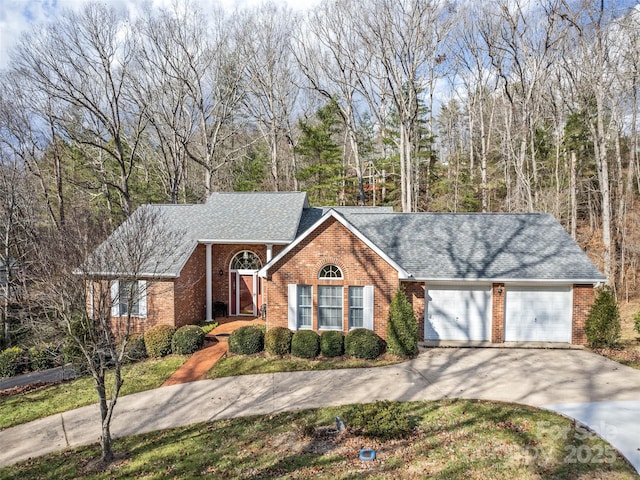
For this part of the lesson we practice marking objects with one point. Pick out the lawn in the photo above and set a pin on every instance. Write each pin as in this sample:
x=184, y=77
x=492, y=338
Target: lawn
x=233, y=365
x=451, y=439
x=41, y=402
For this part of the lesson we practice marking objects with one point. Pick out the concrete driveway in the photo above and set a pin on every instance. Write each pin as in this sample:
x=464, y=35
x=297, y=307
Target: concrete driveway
x=568, y=381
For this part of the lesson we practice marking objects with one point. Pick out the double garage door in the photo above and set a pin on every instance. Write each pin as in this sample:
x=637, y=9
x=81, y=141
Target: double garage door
x=532, y=314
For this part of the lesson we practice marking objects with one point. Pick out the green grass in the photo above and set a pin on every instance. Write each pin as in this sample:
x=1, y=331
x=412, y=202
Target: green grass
x=262, y=363
x=452, y=439
x=138, y=377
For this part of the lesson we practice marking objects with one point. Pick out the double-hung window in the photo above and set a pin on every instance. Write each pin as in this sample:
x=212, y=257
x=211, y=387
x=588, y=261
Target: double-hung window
x=128, y=295
x=356, y=307
x=329, y=307
x=305, y=306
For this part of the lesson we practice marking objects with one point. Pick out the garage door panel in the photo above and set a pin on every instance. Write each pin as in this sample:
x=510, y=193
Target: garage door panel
x=541, y=314
x=458, y=313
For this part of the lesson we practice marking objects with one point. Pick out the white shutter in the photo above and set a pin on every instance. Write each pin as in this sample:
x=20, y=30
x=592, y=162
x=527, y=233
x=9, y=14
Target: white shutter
x=92, y=300
x=293, y=306
x=367, y=307
x=142, y=298
x=115, y=298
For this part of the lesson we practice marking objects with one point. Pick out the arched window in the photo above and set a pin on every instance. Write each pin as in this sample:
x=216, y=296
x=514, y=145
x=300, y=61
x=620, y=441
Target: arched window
x=246, y=260
x=330, y=272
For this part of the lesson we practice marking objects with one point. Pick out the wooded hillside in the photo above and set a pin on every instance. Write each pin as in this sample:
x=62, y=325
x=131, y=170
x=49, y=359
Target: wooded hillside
x=510, y=106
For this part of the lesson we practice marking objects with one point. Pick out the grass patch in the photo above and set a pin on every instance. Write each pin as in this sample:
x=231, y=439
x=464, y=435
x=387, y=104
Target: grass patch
x=233, y=365
x=45, y=401
x=452, y=439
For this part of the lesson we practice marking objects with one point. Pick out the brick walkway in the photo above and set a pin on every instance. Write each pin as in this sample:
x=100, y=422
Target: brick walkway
x=215, y=348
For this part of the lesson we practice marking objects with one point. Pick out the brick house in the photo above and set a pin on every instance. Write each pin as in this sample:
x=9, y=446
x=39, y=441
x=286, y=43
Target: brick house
x=470, y=277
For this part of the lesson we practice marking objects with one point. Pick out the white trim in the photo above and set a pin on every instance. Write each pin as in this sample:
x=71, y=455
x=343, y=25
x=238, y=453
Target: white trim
x=520, y=281
x=292, y=302
x=142, y=298
x=115, y=300
x=209, y=283
x=243, y=242
x=367, y=307
x=402, y=273
x=254, y=292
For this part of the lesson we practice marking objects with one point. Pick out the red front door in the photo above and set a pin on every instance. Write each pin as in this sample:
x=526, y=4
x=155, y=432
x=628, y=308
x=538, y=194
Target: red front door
x=245, y=295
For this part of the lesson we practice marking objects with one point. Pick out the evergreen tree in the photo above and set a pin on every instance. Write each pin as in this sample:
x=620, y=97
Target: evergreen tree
x=603, y=323
x=402, y=327
x=322, y=171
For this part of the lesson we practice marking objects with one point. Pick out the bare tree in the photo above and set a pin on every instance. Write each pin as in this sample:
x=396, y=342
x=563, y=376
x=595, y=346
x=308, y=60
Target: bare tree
x=332, y=58
x=403, y=39
x=263, y=38
x=83, y=60
x=94, y=292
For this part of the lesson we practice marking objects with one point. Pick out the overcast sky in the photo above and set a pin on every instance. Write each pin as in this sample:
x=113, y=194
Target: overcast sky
x=17, y=16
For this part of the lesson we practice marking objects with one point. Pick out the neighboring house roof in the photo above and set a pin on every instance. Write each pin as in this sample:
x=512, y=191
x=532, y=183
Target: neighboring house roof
x=475, y=246
x=260, y=218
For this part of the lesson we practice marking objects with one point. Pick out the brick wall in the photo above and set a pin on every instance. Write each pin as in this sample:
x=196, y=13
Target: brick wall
x=191, y=290
x=583, y=297
x=497, y=312
x=331, y=243
x=415, y=294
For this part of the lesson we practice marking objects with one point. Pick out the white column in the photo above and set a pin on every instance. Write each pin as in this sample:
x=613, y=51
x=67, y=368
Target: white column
x=209, y=284
x=269, y=252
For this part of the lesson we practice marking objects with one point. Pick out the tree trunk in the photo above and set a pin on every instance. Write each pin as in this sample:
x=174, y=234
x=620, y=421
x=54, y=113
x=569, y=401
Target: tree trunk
x=574, y=203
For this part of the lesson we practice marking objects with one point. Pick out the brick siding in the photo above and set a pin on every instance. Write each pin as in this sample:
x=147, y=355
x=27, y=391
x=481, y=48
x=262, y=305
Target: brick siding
x=583, y=298
x=331, y=243
x=497, y=312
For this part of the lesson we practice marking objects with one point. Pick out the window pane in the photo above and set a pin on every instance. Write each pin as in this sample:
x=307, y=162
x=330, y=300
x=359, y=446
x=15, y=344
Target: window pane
x=330, y=271
x=304, y=306
x=126, y=289
x=329, y=307
x=246, y=261
x=356, y=317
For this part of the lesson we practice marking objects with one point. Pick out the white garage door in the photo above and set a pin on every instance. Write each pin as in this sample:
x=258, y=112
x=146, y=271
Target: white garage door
x=538, y=314
x=458, y=313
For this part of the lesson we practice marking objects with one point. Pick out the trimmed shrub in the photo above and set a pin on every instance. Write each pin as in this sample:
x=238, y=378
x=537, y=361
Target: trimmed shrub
x=402, y=327
x=603, y=323
x=207, y=327
x=42, y=356
x=331, y=344
x=277, y=341
x=305, y=344
x=246, y=340
x=12, y=361
x=157, y=340
x=384, y=420
x=136, y=349
x=362, y=343
x=187, y=340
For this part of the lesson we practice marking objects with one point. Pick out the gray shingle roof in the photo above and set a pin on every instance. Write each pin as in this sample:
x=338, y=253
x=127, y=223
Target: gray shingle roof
x=264, y=217
x=478, y=246
x=312, y=215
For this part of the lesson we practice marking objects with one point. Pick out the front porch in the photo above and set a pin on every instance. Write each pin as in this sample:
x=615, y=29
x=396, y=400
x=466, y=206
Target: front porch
x=227, y=325
x=233, y=288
